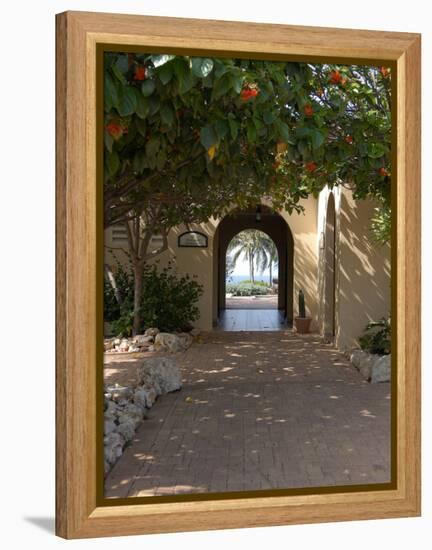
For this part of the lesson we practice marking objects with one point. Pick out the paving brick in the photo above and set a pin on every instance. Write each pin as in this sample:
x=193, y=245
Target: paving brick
x=307, y=420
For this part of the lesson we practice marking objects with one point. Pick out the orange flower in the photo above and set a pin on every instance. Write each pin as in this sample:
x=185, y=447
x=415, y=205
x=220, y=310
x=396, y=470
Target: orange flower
x=308, y=109
x=383, y=172
x=248, y=92
x=140, y=73
x=115, y=130
x=311, y=166
x=385, y=71
x=349, y=139
x=335, y=77
x=245, y=94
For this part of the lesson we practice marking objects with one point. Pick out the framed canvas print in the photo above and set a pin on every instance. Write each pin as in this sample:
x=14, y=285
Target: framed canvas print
x=238, y=274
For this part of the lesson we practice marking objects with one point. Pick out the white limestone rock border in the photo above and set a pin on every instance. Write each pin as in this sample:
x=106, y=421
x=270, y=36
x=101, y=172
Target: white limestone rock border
x=151, y=340
x=126, y=406
x=373, y=367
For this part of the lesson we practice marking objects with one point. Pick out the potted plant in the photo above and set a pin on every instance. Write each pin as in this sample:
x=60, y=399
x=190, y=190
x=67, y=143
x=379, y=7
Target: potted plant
x=302, y=322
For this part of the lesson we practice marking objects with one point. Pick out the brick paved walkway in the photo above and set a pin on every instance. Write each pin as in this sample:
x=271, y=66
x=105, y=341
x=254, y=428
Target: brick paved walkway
x=259, y=411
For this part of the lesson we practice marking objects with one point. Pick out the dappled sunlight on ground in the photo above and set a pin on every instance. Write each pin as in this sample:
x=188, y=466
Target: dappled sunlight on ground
x=288, y=412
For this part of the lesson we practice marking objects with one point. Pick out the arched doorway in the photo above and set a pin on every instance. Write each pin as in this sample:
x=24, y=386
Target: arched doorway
x=264, y=219
x=252, y=264
x=330, y=270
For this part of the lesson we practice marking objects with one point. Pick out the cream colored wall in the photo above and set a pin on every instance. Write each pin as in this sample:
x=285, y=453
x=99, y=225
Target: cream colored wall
x=362, y=268
x=304, y=231
x=200, y=265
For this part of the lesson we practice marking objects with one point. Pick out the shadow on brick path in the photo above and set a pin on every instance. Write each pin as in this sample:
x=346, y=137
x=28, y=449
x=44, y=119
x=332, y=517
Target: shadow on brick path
x=265, y=410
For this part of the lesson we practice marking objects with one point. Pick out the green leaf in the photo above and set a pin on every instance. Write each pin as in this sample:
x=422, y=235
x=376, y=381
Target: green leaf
x=251, y=131
x=141, y=126
x=208, y=136
x=167, y=114
x=202, y=67
x=283, y=130
x=127, y=102
x=122, y=63
x=317, y=138
x=376, y=150
x=268, y=117
x=237, y=82
x=165, y=73
x=112, y=162
x=154, y=105
x=159, y=60
x=111, y=95
x=221, y=86
x=108, y=141
x=161, y=159
x=222, y=128
x=147, y=87
x=152, y=147
x=142, y=106
x=139, y=162
x=118, y=74
x=234, y=127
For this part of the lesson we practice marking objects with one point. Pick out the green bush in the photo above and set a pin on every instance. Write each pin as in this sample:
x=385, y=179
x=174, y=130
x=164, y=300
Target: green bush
x=247, y=289
x=259, y=283
x=169, y=301
x=377, y=337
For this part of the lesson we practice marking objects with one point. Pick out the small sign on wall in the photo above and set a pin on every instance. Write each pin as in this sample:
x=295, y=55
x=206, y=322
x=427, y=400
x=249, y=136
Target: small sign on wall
x=193, y=239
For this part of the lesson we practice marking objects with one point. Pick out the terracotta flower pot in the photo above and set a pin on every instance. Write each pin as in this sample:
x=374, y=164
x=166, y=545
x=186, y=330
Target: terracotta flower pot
x=302, y=324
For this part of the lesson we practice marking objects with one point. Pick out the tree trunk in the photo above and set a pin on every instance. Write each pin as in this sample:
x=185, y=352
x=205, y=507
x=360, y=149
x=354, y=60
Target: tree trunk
x=252, y=269
x=138, y=289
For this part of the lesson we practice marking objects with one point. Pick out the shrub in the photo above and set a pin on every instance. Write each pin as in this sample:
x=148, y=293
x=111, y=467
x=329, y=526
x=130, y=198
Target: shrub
x=247, y=289
x=169, y=301
x=377, y=337
x=259, y=283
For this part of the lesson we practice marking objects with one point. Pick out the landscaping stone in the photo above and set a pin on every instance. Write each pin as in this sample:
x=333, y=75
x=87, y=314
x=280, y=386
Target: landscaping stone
x=374, y=368
x=117, y=392
x=163, y=371
x=141, y=340
x=381, y=370
x=126, y=406
x=124, y=345
x=114, y=443
x=126, y=429
x=152, y=331
x=168, y=342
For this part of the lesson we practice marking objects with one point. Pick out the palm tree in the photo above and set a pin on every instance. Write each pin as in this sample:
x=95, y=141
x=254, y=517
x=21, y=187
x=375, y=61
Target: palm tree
x=255, y=247
x=270, y=258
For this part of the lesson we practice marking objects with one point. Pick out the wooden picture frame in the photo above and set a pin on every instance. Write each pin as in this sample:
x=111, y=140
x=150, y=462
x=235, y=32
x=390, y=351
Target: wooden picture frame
x=78, y=334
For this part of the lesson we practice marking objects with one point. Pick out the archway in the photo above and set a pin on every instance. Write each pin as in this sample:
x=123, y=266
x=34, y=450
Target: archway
x=263, y=219
x=252, y=271
x=330, y=269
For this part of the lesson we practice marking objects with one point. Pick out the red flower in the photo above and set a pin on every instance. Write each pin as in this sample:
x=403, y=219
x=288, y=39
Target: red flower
x=308, y=109
x=335, y=77
x=248, y=92
x=115, y=130
x=383, y=172
x=140, y=73
x=349, y=139
x=385, y=71
x=311, y=166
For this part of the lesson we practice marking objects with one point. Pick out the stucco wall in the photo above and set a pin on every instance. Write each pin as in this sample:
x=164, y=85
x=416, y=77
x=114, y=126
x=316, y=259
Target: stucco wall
x=199, y=263
x=362, y=275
